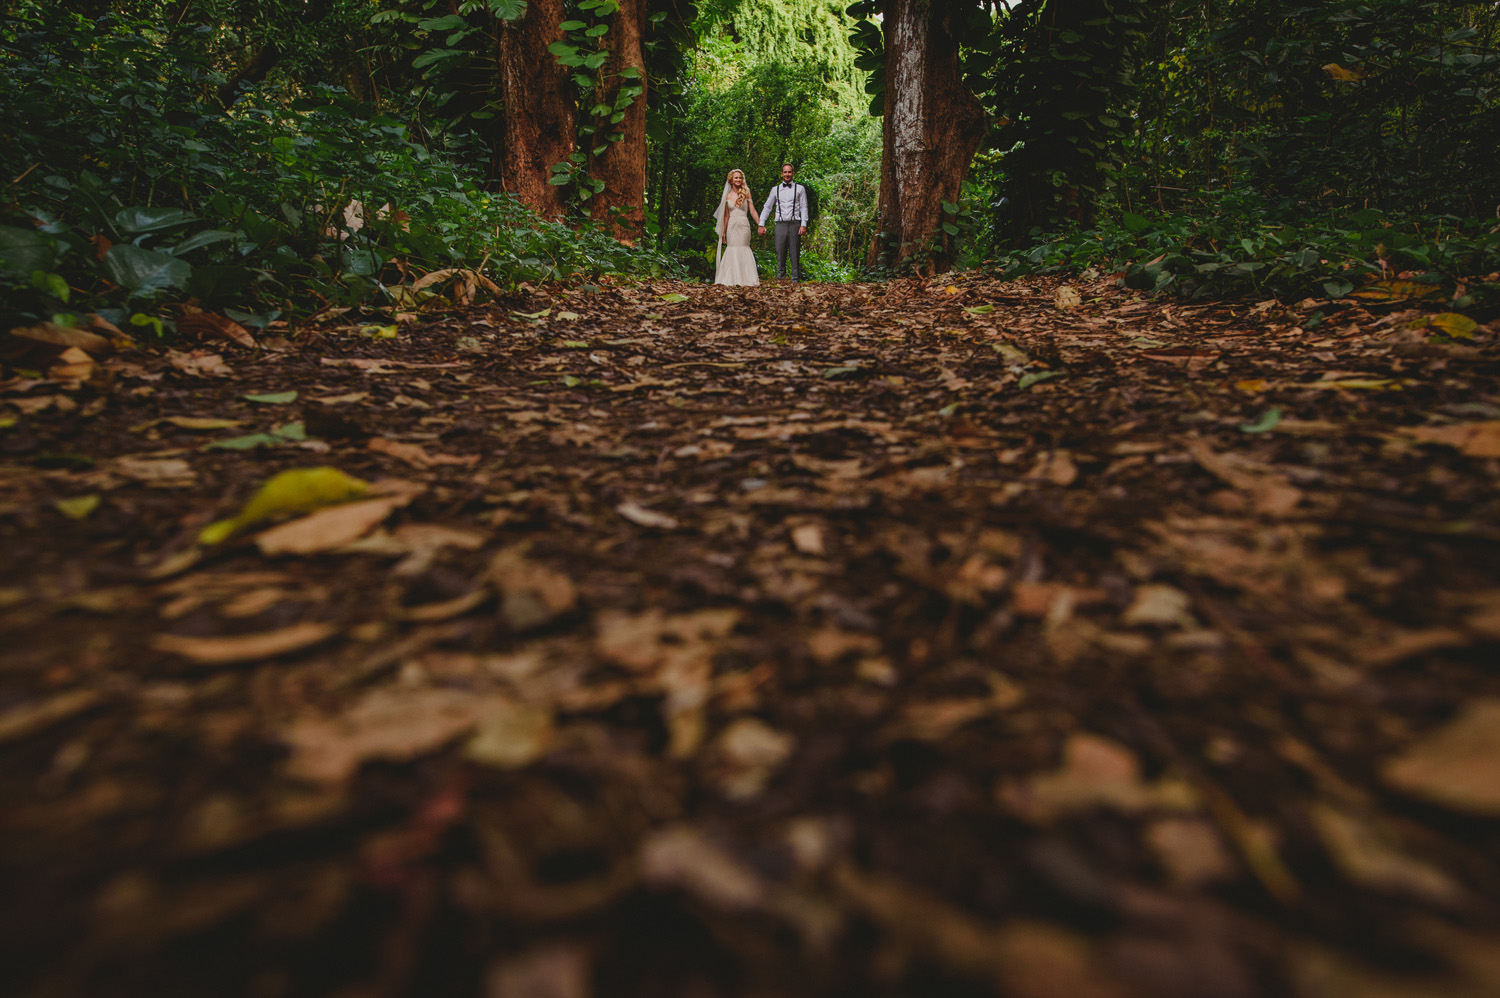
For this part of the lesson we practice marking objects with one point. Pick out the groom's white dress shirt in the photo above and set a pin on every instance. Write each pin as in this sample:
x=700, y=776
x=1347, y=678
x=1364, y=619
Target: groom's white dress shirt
x=790, y=201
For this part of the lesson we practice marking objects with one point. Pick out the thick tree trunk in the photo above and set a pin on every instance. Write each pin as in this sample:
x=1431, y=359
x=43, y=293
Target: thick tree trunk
x=536, y=128
x=622, y=166
x=933, y=124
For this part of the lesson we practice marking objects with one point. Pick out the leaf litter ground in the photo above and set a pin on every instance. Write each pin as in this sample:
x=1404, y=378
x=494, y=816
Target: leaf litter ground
x=923, y=638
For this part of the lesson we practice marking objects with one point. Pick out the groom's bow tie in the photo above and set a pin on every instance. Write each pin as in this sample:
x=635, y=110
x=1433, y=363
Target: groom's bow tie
x=786, y=183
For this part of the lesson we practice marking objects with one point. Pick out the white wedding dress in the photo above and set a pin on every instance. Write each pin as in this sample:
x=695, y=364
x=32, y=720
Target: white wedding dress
x=737, y=263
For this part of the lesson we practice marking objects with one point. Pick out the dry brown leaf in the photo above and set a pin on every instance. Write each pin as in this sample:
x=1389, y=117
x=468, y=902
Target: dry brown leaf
x=643, y=517
x=746, y=755
x=808, y=538
x=390, y=723
x=54, y=339
x=166, y=472
x=1158, y=605
x=327, y=528
x=199, y=362
x=531, y=594
x=1472, y=439
x=1190, y=850
x=680, y=858
x=237, y=648
x=1456, y=766
x=73, y=366
x=195, y=321
x=1364, y=850
x=1268, y=491
x=512, y=736
x=1095, y=772
x=30, y=718
x=415, y=455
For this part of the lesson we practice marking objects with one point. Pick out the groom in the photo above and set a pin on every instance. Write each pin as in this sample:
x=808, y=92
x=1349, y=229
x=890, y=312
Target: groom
x=791, y=221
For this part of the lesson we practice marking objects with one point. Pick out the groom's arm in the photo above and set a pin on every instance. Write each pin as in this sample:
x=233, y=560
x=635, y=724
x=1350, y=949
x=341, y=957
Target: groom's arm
x=765, y=212
x=802, y=212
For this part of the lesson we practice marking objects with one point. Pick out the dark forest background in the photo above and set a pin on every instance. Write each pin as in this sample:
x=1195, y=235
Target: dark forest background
x=266, y=158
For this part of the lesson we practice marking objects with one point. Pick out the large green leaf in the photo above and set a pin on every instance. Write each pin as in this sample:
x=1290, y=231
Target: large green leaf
x=143, y=271
x=200, y=239
x=508, y=10
x=23, y=251
x=447, y=23
x=137, y=220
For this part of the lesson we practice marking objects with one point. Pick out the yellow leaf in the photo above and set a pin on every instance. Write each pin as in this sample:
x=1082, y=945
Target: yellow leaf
x=1396, y=291
x=1251, y=385
x=299, y=490
x=1367, y=384
x=1343, y=75
x=1458, y=326
x=379, y=332
x=77, y=508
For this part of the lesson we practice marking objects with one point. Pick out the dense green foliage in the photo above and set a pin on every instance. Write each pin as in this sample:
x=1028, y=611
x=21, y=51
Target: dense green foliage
x=773, y=83
x=292, y=155
x=133, y=183
x=1245, y=144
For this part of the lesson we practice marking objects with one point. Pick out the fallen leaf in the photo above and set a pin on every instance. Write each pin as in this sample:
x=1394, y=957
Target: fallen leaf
x=391, y=723
x=299, y=490
x=808, y=538
x=680, y=858
x=531, y=594
x=199, y=362
x=171, y=471
x=272, y=398
x=1158, y=605
x=1471, y=439
x=1190, y=851
x=1095, y=772
x=415, y=455
x=512, y=736
x=200, y=322
x=73, y=366
x=238, y=648
x=28, y=719
x=1457, y=766
x=78, y=507
x=643, y=517
x=746, y=755
x=1067, y=297
x=327, y=529
x=1364, y=851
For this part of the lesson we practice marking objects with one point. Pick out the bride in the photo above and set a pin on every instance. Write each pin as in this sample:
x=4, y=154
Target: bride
x=733, y=221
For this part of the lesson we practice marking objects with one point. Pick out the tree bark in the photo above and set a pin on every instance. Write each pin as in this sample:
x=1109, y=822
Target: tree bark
x=536, y=127
x=933, y=124
x=622, y=166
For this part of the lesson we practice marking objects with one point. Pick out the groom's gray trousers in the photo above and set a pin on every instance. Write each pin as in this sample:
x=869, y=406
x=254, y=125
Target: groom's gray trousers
x=788, y=242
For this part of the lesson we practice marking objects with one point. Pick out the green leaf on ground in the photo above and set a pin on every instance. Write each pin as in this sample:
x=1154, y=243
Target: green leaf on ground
x=78, y=507
x=1265, y=423
x=272, y=398
x=1027, y=380
x=289, y=433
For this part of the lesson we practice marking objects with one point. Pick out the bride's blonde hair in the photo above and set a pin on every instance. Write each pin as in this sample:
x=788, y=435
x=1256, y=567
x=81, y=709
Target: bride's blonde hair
x=744, y=184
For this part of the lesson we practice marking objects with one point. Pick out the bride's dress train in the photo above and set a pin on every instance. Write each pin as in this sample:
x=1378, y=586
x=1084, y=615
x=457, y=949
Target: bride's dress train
x=737, y=263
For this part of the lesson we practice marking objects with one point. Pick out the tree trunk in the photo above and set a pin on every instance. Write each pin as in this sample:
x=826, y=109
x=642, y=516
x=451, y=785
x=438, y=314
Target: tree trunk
x=622, y=166
x=536, y=127
x=933, y=125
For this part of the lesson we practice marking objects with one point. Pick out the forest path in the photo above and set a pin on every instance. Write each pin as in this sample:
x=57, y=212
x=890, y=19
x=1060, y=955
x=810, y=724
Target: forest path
x=919, y=638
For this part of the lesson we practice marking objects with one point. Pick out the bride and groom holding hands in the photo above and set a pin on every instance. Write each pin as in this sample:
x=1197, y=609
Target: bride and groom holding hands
x=785, y=208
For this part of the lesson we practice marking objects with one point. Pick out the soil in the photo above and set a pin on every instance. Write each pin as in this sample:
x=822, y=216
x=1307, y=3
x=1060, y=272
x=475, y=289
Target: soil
x=923, y=638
